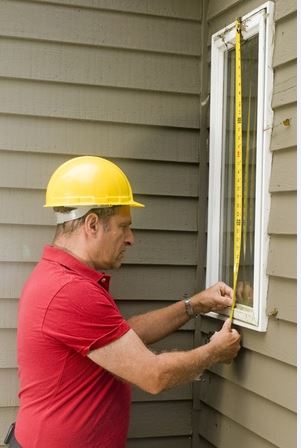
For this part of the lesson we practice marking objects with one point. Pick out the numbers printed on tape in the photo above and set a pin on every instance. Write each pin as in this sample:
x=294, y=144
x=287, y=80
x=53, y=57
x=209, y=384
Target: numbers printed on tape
x=238, y=164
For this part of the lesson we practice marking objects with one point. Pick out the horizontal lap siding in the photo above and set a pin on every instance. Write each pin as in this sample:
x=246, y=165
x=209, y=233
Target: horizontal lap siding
x=98, y=104
x=117, y=79
x=227, y=398
x=169, y=8
x=262, y=381
x=111, y=67
x=82, y=26
x=222, y=432
x=162, y=442
x=282, y=260
x=77, y=137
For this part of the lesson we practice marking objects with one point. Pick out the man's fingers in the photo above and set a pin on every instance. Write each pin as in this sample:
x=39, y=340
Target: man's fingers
x=227, y=301
x=228, y=327
x=222, y=302
x=227, y=324
x=226, y=290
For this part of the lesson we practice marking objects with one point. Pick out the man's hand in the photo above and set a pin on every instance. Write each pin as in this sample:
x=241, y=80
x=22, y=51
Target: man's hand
x=225, y=343
x=215, y=298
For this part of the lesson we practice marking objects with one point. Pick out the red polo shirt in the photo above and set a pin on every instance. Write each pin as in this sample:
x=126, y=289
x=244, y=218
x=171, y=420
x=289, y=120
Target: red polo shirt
x=66, y=400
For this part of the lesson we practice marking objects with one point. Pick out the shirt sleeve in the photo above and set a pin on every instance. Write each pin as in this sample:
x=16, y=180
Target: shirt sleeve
x=84, y=317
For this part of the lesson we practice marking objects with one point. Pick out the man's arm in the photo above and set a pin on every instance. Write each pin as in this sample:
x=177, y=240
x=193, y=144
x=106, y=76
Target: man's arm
x=129, y=359
x=155, y=325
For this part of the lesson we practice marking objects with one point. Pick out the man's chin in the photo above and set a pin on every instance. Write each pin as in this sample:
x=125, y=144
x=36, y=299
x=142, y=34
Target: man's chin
x=109, y=266
x=115, y=265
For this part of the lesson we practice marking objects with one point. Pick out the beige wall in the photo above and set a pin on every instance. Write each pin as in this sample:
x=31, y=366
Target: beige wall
x=253, y=402
x=118, y=79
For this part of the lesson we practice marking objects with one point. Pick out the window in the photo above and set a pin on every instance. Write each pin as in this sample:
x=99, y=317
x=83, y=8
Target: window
x=257, y=85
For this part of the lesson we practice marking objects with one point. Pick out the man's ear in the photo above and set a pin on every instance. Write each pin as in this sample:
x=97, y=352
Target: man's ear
x=92, y=224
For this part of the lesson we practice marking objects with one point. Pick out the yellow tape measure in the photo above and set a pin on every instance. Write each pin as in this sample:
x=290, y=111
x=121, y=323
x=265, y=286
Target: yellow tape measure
x=238, y=163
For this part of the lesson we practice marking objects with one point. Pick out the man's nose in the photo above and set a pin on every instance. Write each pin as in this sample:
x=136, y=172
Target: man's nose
x=130, y=238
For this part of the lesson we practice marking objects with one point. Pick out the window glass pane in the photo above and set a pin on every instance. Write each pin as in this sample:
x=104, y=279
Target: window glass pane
x=249, y=65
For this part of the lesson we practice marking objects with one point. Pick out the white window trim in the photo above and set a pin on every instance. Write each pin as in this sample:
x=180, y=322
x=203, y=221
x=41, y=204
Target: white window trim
x=260, y=20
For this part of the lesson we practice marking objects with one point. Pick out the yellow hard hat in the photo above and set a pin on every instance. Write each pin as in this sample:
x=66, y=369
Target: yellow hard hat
x=89, y=181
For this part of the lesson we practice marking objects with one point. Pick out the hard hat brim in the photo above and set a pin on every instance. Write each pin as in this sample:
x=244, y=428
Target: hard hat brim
x=92, y=204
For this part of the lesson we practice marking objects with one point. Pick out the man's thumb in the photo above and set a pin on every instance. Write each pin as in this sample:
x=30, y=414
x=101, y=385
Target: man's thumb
x=227, y=324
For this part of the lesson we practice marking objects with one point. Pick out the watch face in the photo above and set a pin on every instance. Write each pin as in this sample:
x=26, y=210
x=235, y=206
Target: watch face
x=189, y=309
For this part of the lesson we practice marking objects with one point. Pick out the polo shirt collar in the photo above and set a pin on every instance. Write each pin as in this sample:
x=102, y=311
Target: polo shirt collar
x=58, y=255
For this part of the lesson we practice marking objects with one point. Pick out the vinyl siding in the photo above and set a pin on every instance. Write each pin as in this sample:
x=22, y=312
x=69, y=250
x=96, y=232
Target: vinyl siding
x=252, y=403
x=118, y=79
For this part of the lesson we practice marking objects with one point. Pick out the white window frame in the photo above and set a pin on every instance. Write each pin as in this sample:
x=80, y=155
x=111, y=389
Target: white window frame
x=260, y=21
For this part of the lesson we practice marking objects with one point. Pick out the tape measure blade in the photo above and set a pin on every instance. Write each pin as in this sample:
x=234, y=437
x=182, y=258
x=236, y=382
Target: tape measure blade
x=238, y=165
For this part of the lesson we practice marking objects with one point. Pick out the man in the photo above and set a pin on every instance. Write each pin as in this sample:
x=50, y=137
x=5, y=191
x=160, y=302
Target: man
x=77, y=355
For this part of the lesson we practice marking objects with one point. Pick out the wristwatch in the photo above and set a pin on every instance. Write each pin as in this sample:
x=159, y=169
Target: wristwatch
x=189, y=308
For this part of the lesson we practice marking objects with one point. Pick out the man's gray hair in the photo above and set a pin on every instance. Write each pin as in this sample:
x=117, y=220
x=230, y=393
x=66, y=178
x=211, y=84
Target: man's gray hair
x=70, y=225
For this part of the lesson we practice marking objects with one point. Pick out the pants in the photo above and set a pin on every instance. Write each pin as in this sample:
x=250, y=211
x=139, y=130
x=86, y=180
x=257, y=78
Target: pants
x=13, y=443
x=10, y=439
